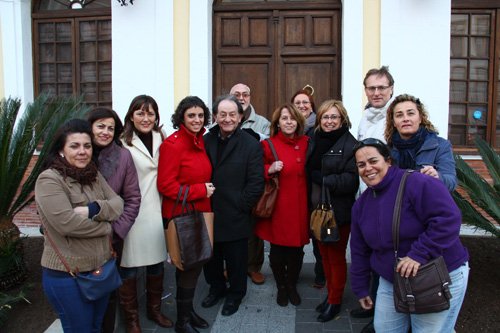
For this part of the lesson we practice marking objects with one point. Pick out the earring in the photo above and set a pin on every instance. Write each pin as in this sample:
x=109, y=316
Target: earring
x=61, y=154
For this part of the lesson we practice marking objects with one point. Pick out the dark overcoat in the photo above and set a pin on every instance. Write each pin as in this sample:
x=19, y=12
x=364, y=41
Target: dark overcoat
x=238, y=177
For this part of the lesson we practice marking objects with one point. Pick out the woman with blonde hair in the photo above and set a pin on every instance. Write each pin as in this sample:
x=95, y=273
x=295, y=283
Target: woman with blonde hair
x=415, y=143
x=331, y=164
x=287, y=229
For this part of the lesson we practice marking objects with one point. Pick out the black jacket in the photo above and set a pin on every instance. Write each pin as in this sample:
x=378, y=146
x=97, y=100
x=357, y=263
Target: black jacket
x=338, y=168
x=238, y=178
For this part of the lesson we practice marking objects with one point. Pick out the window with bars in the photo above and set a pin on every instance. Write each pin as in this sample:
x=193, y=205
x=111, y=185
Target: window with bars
x=474, y=75
x=72, y=54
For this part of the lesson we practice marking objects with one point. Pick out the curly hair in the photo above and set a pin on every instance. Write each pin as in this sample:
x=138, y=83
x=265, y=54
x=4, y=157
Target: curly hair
x=294, y=112
x=327, y=105
x=389, y=120
x=187, y=103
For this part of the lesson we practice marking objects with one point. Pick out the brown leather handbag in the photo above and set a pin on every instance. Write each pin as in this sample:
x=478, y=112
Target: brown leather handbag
x=189, y=236
x=428, y=291
x=323, y=224
x=265, y=206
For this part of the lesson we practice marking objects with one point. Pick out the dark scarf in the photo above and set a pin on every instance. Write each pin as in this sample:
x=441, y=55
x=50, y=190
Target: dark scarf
x=323, y=141
x=85, y=176
x=107, y=159
x=408, y=148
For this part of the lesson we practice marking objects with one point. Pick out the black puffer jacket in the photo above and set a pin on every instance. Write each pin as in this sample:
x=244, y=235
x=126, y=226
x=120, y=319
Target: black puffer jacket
x=338, y=168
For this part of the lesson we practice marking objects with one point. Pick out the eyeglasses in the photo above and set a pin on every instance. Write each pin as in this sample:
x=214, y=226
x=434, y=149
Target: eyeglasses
x=332, y=117
x=375, y=88
x=370, y=142
x=302, y=102
x=240, y=95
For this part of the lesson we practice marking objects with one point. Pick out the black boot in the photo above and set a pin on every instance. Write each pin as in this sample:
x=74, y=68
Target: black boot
x=184, y=308
x=187, y=294
x=321, y=306
x=294, y=266
x=329, y=312
x=279, y=271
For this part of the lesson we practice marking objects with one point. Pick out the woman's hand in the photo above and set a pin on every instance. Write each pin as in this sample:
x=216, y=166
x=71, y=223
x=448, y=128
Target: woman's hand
x=366, y=303
x=407, y=266
x=210, y=189
x=82, y=210
x=275, y=167
x=429, y=171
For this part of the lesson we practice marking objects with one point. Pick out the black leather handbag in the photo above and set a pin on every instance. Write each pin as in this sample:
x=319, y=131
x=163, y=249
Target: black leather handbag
x=428, y=291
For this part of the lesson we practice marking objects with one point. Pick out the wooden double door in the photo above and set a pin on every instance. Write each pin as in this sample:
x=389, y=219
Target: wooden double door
x=276, y=48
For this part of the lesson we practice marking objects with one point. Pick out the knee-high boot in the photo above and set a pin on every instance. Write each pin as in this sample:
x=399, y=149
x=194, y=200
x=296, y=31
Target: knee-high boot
x=294, y=266
x=279, y=271
x=128, y=301
x=185, y=311
x=154, y=291
x=184, y=301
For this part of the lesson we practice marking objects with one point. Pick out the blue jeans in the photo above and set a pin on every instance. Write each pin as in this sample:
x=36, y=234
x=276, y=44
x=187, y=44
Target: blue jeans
x=387, y=320
x=76, y=314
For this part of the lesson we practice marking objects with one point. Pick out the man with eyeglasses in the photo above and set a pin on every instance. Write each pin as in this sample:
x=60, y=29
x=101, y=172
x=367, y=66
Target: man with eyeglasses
x=251, y=119
x=260, y=125
x=379, y=89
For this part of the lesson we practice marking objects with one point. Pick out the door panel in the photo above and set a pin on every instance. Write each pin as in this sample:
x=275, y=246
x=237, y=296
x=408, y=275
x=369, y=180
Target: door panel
x=277, y=50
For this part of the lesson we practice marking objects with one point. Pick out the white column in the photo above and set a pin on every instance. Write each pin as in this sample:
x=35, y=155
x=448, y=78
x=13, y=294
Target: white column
x=15, y=20
x=143, y=55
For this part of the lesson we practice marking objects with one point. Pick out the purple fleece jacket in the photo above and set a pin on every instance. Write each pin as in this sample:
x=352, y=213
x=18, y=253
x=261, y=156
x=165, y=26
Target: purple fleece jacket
x=429, y=227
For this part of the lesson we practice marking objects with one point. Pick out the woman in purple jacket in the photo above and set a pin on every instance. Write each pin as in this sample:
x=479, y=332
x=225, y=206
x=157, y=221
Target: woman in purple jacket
x=116, y=165
x=429, y=228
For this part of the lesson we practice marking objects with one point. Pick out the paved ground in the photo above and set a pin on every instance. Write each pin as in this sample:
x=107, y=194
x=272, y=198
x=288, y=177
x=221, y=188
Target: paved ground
x=258, y=312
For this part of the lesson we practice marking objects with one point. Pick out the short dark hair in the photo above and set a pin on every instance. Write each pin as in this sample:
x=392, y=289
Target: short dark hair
x=381, y=147
x=188, y=103
x=382, y=71
x=101, y=113
x=70, y=127
x=228, y=97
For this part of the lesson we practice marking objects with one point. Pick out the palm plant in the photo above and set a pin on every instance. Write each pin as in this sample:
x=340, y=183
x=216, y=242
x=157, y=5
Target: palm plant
x=484, y=198
x=19, y=138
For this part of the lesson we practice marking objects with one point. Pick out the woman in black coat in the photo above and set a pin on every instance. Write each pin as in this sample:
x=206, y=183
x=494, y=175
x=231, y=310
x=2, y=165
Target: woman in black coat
x=331, y=162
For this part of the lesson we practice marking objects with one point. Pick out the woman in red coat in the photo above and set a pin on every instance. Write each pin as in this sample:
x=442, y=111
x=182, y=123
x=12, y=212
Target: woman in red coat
x=183, y=161
x=287, y=230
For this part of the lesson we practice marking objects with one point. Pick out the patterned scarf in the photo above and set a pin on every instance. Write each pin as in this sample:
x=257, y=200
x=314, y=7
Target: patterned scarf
x=84, y=176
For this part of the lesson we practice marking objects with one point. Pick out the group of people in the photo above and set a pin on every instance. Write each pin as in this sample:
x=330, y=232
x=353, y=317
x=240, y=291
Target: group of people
x=112, y=187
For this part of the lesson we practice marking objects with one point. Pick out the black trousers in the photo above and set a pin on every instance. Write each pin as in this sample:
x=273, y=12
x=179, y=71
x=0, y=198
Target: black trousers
x=235, y=254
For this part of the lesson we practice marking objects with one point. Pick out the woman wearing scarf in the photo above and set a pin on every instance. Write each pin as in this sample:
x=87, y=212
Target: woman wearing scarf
x=414, y=142
x=331, y=162
x=77, y=208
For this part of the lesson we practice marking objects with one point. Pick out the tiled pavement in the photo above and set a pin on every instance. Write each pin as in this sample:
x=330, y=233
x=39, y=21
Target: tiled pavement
x=258, y=312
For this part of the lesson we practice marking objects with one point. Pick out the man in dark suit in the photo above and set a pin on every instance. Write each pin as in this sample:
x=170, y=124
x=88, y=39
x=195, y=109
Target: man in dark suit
x=238, y=175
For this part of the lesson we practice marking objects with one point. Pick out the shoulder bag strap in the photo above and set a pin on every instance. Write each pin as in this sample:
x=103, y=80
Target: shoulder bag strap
x=185, y=207
x=271, y=146
x=64, y=262
x=177, y=200
x=396, y=217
